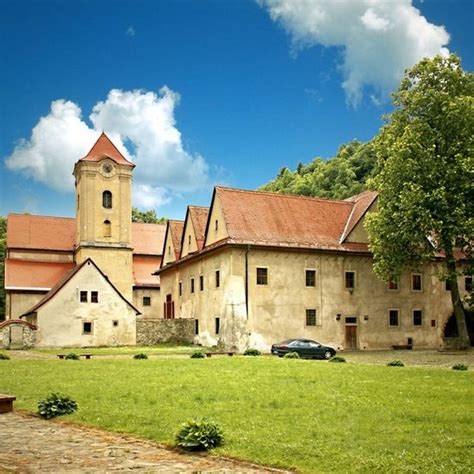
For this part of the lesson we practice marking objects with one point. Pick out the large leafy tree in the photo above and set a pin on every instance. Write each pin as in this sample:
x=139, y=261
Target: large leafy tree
x=147, y=217
x=425, y=152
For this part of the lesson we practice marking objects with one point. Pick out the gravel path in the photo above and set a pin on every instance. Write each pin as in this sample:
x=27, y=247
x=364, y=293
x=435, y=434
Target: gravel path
x=31, y=445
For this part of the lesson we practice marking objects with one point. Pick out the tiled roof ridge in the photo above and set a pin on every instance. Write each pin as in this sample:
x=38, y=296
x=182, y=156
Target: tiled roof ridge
x=39, y=215
x=290, y=196
x=178, y=221
x=356, y=197
x=149, y=223
x=198, y=207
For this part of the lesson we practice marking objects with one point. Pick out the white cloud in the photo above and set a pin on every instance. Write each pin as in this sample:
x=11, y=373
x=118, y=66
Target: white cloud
x=130, y=31
x=141, y=124
x=380, y=38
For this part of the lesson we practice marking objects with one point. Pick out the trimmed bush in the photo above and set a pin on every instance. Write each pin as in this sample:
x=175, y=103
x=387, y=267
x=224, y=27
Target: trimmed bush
x=4, y=357
x=71, y=356
x=197, y=355
x=395, y=363
x=56, y=405
x=140, y=355
x=459, y=367
x=199, y=435
x=337, y=359
x=252, y=352
x=291, y=355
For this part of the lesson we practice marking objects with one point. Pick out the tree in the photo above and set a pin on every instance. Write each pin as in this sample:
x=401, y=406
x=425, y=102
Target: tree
x=3, y=238
x=425, y=184
x=147, y=217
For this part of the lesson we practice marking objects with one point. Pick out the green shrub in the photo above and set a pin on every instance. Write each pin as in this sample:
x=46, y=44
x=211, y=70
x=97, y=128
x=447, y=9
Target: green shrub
x=197, y=355
x=140, y=355
x=252, y=352
x=71, y=356
x=395, y=363
x=199, y=435
x=292, y=355
x=459, y=367
x=4, y=357
x=56, y=405
x=337, y=359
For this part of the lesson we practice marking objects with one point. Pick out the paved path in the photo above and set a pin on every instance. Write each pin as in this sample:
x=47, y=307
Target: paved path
x=31, y=445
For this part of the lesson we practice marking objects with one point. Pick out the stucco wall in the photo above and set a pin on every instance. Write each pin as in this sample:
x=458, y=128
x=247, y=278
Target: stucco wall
x=155, y=310
x=60, y=320
x=41, y=255
x=278, y=310
x=154, y=331
x=17, y=302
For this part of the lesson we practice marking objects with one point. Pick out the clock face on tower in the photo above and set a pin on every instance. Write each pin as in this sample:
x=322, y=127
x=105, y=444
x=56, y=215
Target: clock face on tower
x=107, y=169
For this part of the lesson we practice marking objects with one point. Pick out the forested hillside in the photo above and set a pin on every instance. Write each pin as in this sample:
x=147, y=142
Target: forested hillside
x=338, y=177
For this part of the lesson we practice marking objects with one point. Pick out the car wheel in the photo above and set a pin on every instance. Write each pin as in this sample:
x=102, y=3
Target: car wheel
x=327, y=355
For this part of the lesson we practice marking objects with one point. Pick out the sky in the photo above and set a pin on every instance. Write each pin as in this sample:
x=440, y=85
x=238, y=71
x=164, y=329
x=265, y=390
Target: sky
x=204, y=92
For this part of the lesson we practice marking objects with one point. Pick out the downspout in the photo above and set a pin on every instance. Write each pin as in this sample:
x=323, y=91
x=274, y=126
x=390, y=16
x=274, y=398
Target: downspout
x=247, y=281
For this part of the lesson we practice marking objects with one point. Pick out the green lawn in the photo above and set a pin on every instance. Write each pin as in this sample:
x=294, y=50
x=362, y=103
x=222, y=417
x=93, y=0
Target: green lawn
x=312, y=416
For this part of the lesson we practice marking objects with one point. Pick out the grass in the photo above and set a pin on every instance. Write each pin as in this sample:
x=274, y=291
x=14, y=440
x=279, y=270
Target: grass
x=306, y=415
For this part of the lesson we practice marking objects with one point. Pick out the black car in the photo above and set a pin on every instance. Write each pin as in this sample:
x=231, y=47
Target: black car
x=304, y=347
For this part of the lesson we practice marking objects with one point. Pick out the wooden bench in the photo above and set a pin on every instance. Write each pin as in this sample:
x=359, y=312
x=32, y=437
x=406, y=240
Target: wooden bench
x=6, y=403
x=210, y=354
x=86, y=356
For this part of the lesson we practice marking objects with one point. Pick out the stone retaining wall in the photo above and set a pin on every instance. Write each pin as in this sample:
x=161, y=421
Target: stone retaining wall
x=25, y=341
x=154, y=331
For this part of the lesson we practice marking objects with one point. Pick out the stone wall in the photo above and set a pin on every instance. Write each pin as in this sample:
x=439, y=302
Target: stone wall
x=154, y=331
x=27, y=331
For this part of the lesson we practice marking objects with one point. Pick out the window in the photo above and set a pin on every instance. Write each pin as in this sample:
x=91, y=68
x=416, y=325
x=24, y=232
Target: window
x=417, y=317
x=169, y=250
x=147, y=301
x=115, y=323
x=94, y=296
x=86, y=327
x=433, y=323
x=216, y=226
x=218, y=325
x=196, y=327
x=201, y=282
x=218, y=279
x=180, y=288
x=189, y=240
x=310, y=277
x=107, y=200
x=262, y=276
x=192, y=285
x=392, y=284
x=350, y=280
x=351, y=320
x=416, y=282
x=107, y=229
x=393, y=317
x=310, y=317
x=468, y=283
x=83, y=296
x=447, y=285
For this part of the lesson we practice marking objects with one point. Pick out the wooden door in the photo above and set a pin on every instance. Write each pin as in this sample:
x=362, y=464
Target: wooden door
x=351, y=338
x=16, y=336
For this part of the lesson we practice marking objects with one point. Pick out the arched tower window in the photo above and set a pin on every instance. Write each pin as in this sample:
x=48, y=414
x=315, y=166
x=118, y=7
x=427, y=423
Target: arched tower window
x=107, y=229
x=107, y=199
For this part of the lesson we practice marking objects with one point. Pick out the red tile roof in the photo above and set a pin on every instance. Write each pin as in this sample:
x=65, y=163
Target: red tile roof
x=362, y=202
x=176, y=231
x=143, y=267
x=104, y=148
x=147, y=239
x=25, y=231
x=284, y=220
x=198, y=216
x=34, y=275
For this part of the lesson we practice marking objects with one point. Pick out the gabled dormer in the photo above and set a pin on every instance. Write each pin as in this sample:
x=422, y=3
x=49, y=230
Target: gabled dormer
x=172, y=242
x=216, y=226
x=354, y=230
x=194, y=229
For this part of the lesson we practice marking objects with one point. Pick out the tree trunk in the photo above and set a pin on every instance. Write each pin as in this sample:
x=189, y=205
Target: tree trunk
x=459, y=314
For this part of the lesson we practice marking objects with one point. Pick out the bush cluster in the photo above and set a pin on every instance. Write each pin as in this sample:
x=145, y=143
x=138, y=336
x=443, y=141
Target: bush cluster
x=4, y=357
x=459, y=367
x=56, y=405
x=140, y=355
x=252, y=352
x=197, y=355
x=199, y=435
x=71, y=356
x=395, y=363
x=292, y=355
x=337, y=359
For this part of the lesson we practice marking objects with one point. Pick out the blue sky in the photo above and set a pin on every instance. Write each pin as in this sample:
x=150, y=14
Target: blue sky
x=201, y=92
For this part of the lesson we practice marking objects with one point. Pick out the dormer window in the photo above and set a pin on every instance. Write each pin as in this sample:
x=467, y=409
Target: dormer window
x=107, y=200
